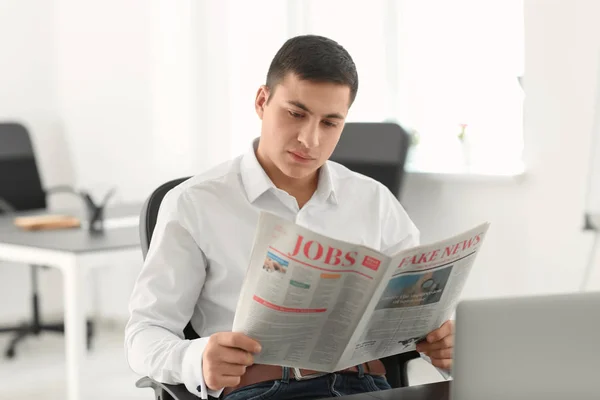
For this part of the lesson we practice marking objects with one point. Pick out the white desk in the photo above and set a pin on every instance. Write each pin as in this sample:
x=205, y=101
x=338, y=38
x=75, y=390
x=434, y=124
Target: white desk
x=74, y=252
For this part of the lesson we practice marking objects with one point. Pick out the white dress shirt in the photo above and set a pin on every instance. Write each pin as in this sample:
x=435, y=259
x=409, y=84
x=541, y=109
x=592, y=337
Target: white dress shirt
x=201, y=245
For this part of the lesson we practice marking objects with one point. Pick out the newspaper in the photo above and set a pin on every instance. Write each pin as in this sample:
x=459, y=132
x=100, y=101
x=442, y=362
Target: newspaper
x=323, y=304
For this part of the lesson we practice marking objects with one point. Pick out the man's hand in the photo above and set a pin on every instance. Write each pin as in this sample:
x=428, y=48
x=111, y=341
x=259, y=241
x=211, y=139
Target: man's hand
x=226, y=357
x=439, y=346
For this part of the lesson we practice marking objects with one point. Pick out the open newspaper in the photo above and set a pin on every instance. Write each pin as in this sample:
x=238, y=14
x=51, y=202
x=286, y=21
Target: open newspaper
x=323, y=304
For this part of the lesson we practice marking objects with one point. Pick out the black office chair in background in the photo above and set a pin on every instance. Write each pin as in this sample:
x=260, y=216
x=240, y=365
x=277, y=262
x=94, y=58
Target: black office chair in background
x=358, y=150
x=21, y=190
x=375, y=149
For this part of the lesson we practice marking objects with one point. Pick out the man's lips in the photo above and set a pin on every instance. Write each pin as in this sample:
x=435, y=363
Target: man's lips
x=304, y=156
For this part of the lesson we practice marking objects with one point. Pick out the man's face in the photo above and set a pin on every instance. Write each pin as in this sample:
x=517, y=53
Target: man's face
x=301, y=124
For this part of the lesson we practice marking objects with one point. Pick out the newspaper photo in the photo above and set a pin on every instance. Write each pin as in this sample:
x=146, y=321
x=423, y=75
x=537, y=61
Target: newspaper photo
x=323, y=304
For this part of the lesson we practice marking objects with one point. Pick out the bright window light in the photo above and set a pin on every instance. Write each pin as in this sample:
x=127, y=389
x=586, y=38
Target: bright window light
x=436, y=67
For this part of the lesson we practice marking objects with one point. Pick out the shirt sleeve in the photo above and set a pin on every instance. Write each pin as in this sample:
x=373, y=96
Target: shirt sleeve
x=398, y=232
x=163, y=300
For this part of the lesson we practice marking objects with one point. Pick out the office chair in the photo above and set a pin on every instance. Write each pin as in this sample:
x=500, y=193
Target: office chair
x=377, y=150
x=396, y=366
x=21, y=190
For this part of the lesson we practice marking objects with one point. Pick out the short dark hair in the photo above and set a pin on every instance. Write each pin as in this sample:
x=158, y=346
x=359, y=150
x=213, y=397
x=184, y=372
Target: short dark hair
x=314, y=58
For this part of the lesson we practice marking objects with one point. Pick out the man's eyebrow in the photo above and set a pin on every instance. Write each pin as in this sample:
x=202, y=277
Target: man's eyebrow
x=303, y=107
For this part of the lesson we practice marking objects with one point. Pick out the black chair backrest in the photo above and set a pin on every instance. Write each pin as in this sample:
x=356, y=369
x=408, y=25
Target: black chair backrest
x=377, y=150
x=20, y=182
x=149, y=212
x=148, y=217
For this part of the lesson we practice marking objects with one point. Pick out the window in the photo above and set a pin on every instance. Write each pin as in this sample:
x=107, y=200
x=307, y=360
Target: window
x=436, y=67
x=459, y=63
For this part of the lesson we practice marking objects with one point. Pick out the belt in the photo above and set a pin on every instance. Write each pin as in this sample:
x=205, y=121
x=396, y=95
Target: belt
x=258, y=373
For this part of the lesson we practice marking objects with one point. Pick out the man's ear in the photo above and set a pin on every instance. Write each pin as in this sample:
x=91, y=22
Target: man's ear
x=262, y=97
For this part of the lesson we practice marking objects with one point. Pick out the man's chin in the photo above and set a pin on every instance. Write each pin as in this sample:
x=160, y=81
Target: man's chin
x=298, y=172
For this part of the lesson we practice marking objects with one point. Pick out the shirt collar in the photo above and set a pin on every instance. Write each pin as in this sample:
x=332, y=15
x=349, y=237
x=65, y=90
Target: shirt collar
x=256, y=181
x=326, y=186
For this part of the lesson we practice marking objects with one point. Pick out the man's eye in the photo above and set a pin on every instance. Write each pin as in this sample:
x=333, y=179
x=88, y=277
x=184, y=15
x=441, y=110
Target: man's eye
x=295, y=114
x=330, y=124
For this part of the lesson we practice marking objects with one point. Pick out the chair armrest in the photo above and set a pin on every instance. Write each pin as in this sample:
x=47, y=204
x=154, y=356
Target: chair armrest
x=163, y=391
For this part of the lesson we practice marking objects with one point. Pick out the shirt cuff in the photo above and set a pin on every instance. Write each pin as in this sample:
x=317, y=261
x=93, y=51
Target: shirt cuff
x=447, y=375
x=191, y=370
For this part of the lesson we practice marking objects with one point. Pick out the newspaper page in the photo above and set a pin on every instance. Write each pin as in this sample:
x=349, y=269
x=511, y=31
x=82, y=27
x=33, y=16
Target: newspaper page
x=322, y=304
x=417, y=298
x=304, y=294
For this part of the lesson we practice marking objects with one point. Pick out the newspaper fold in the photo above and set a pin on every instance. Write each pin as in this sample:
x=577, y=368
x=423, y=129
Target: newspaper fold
x=323, y=304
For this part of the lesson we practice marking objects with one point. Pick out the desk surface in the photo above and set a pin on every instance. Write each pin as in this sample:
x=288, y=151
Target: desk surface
x=432, y=391
x=76, y=240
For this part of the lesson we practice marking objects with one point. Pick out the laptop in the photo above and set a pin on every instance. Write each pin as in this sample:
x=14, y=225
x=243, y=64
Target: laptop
x=537, y=347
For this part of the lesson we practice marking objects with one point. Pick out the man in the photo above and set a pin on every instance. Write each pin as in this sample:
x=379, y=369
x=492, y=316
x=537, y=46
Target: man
x=201, y=244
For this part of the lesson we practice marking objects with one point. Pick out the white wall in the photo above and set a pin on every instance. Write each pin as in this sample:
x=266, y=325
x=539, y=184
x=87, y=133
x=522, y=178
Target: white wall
x=535, y=243
x=104, y=81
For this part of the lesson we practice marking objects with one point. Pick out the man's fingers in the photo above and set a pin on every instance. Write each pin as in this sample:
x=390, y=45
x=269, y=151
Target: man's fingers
x=227, y=369
x=227, y=381
x=441, y=354
x=445, y=343
x=445, y=330
x=230, y=355
x=216, y=376
x=225, y=358
x=240, y=341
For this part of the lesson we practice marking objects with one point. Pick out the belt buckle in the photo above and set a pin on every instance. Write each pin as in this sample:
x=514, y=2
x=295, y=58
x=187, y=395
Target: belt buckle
x=299, y=377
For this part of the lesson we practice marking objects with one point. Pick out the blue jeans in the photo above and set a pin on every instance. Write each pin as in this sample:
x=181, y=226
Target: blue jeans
x=330, y=385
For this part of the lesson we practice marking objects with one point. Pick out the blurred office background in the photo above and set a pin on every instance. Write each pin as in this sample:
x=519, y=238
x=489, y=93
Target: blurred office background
x=133, y=93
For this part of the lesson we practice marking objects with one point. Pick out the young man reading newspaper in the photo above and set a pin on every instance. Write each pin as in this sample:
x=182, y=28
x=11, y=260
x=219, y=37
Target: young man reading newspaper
x=201, y=245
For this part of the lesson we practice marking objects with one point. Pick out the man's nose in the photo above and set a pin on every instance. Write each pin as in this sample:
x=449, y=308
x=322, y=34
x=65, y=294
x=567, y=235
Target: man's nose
x=309, y=135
